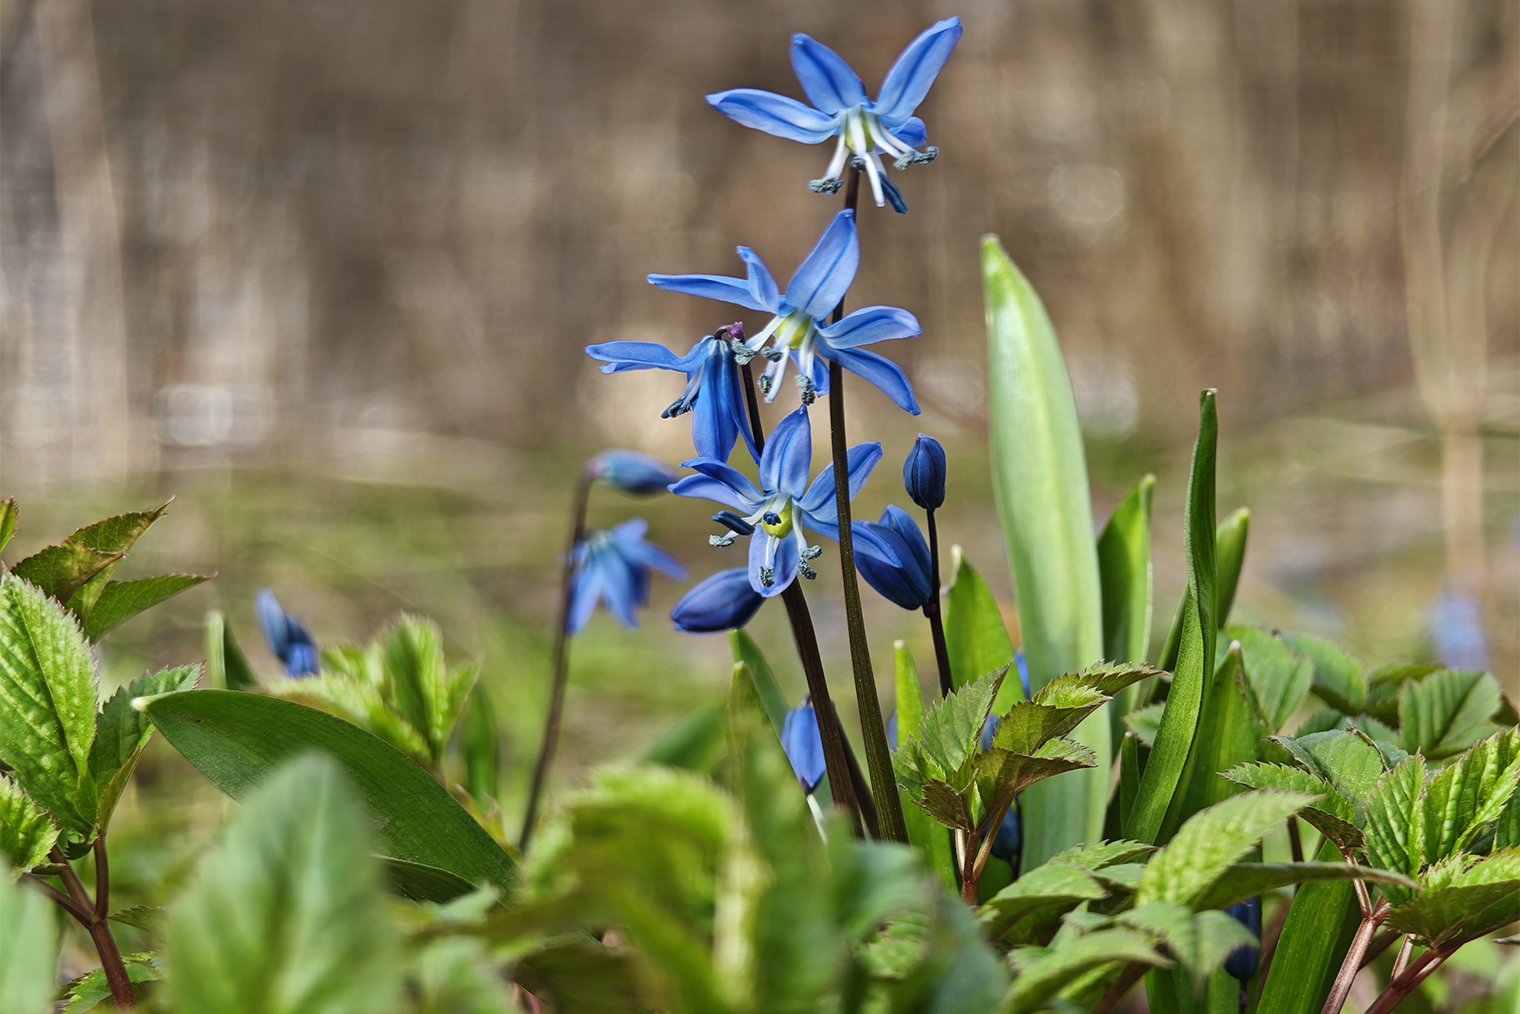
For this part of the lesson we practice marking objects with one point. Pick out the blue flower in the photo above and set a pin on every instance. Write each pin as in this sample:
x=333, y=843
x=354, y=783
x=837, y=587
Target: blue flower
x=817, y=287
x=866, y=129
x=632, y=472
x=924, y=473
x=288, y=637
x=803, y=745
x=774, y=513
x=906, y=582
x=721, y=602
x=613, y=566
x=1242, y=962
x=712, y=394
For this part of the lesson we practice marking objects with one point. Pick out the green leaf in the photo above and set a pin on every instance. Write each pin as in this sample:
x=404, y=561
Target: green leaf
x=27, y=833
x=1331, y=815
x=148, y=918
x=975, y=636
x=959, y=972
x=1457, y=906
x=1339, y=680
x=59, y=571
x=695, y=742
x=234, y=739
x=121, y=733
x=1199, y=941
x=1169, y=763
x=480, y=743
x=310, y=932
x=8, y=517
x=121, y=600
x=1124, y=573
x=1228, y=734
x=1145, y=722
x=359, y=703
x=582, y=975
x=1394, y=828
x=1250, y=880
x=1279, y=679
x=29, y=959
x=1028, y=910
x=1230, y=552
x=1347, y=761
x=427, y=694
x=120, y=533
x=1470, y=793
x=1002, y=774
x=1039, y=477
x=1447, y=712
x=424, y=883
x=945, y=804
x=91, y=989
x=1313, y=941
x=747, y=651
x=1030, y=723
x=1103, y=854
x=1214, y=840
x=946, y=738
x=1042, y=972
x=226, y=667
x=1107, y=678
x=47, y=704
x=924, y=834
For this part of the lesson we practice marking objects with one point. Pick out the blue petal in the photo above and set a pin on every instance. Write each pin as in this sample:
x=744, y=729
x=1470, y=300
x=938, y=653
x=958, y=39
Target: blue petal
x=621, y=356
x=829, y=82
x=785, y=563
x=632, y=472
x=913, y=133
x=586, y=588
x=788, y=455
x=302, y=661
x=804, y=746
x=648, y=554
x=909, y=80
x=819, y=499
x=892, y=731
x=705, y=487
x=880, y=371
x=624, y=588
x=730, y=476
x=721, y=602
x=894, y=584
x=719, y=287
x=870, y=324
x=712, y=428
x=822, y=280
x=276, y=627
x=894, y=196
x=901, y=522
x=878, y=541
x=775, y=114
x=762, y=285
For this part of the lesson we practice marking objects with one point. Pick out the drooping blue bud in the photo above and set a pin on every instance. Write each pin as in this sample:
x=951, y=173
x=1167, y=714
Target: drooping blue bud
x=924, y=473
x=632, y=472
x=803, y=745
x=721, y=602
x=1242, y=962
x=906, y=582
x=287, y=637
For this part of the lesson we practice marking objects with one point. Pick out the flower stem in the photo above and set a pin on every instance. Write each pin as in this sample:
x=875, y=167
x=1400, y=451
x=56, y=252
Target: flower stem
x=561, y=659
x=92, y=916
x=858, y=783
x=932, y=610
x=878, y=756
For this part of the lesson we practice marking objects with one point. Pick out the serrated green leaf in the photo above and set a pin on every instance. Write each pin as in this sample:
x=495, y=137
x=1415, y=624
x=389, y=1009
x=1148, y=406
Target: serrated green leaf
x=947, y=737
x=310, y=933
x=1030, y=723
x=360, y=704
x=29, y=959
x=924, y=833
x=1279, y=679
x=118, y=534
x=747, y=651
x=1002, y=774
x=90, y=990
x=47, y=704
x=226, y=667
x=958, y=973
x=1448, y=711
x=1212, y=841
x=975, y=636
x=8, y=518
x=1107, y=678
x=1324, y=720
x=148, y=918
x=235, y=739
x=480, y=744
x=1145, y=722
x=1199, y=941
x=426, y=693
x=1028, y=910
x=119, y=601
x=942, y=802
x=1042, y=972
x=1452, y=909
x=1347, y=761
x=1250, y=880
x=1339, y=679
x=1100, y=855
x=59, y=571
x=27, y=833
x=1331, y=815
x=1394, y=827
x=121, y=733
x=1384, y=684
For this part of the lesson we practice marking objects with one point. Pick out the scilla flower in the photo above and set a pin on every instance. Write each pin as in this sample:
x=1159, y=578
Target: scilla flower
x=907, y=582
x=799, y=313
x=1243, y=961
x=288, y=637
x=803, y=745
x=776, y=513
x=866, y=128
x=924, y=473
x=712, y=394
x=613, y=566
x=632, y=472
x=721, y=602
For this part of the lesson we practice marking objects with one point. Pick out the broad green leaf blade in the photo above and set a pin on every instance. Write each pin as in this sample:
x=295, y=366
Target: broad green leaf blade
x=975, y=635
x=1279, y=679
x=1230, y=554
x=1456, y=907
x=47, y=704
x=1447, y=712
x=1028, y=910
x=120, y=533
x=1394, y=828
x=119, y=601
x=695, y=743
x=1339, y=680
x=1129, y=775
x=90, y=990
x=121, y=733
x=424, y=883
x=360, y=704
x=1250, y=880
x=1313, y=941
x=235, y=739
x=1167, y=769
x=26, y=832
x=1042, y=973
x=310, y=932
x=1124, y=573
x=1214, y=840
x=29, y=959
x=1039, y=477
x=1331, y=814
x=1228, y=734
x=926, y=836
x=1470, y=793
x=1347, y=761
x=748, y=652
x=226, y=667
x=59, y=571
x=8, y=517
x=1001, y=774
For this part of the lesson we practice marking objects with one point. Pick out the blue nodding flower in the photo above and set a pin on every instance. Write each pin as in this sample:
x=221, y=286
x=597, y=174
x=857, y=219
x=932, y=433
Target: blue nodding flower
x=924, y=473
x=712, y=395
x=1242, y=961
x=632, y=472
x=803, y=745
x=288, y=637
x=907, y=582
x=721, y=602
x=797, y=323
x=866, y=128
x=613, y=566
x=774, y=514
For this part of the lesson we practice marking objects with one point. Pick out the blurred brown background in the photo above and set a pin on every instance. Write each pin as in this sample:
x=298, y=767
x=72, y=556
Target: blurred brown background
x=325, y=269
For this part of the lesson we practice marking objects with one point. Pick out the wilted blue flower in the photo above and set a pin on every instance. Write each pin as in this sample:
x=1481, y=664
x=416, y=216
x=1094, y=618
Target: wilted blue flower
x=712, y=394
x=288, y=637
x=1242, y=962
x=907, y=582
x=924, y=473
x=774, y=513
x=803, y=745
x=721, y=602
x=866, y=129
x=632, y=472
x=613, y=565
x=817, y=287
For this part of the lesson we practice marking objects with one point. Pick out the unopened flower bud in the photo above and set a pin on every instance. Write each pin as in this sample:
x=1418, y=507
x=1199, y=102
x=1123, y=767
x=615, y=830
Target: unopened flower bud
x=924, y=473
x=632, y=472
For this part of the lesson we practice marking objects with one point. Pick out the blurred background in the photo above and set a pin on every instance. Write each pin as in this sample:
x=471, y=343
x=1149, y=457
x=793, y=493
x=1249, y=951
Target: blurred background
x=324, y=271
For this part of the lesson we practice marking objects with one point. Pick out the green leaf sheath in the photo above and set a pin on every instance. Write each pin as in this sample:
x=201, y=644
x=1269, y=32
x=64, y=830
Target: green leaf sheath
x=1228, y=734
x=1039, y=474
x=226, y=666
x=1166, y=769
x=47, y=704
x=235, y=739
x=1124, y=575
x=119, y=601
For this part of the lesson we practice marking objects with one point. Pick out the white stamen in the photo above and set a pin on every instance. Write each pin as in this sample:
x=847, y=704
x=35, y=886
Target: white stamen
x=874, y=171
x=836, y=164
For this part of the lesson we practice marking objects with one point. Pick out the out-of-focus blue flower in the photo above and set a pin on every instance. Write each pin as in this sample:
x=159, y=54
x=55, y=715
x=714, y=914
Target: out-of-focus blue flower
x=796, y=327
x=892, y=732
x=1456, y=626
x=721, y=602
x=803, y=745
x=632, y=472
x=907, y=582
x=287, y=636
x=774, y=514
x=1022, y=665
x=613, y=566
x=1242, y=962
x=924, y=473
x=866, y=128
x=712, y=395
